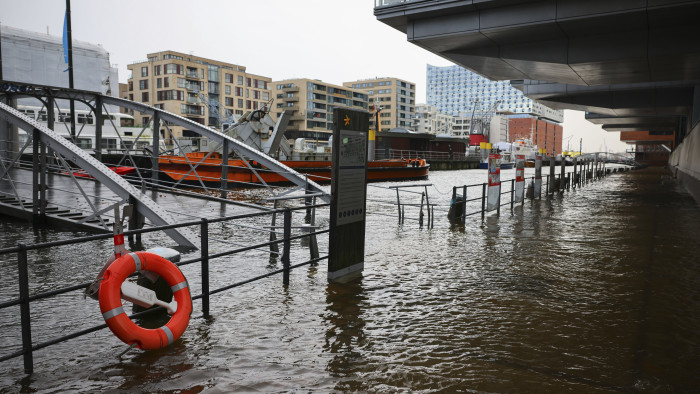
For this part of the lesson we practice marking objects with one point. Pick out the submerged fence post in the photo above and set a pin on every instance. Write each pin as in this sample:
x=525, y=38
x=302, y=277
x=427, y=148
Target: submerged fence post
x=453, y=203
x=398, y=203
x=483, y=201
x=427, y=204
x=286, y=245
x=464, y=209
x=420, y=215
x=512, y=191
x=24, y=309
x=204, y=250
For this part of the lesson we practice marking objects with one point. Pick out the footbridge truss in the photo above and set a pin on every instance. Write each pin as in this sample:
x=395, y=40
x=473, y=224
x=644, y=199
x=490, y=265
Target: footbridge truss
x=147, y=207
x=45, y=133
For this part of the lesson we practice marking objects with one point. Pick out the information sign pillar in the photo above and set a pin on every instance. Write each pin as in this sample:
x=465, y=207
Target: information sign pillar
x=346, y=254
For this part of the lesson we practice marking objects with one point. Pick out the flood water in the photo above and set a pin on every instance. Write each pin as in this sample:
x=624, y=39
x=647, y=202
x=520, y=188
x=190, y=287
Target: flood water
x=594, y=290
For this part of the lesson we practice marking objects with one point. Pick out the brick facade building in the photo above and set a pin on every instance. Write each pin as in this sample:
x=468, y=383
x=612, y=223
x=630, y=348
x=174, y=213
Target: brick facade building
x=543, y=133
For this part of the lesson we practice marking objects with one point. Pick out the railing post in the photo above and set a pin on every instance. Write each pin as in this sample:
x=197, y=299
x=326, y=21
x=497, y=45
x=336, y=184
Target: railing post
x=483, y=201
x=453, y=203
x=286, y=245
x=420, y=216
x=427, y=204
x=398, y=203
x=464, y=199
x=204, y=249
x=547, y=192
x=24, y=309
x=512, y=190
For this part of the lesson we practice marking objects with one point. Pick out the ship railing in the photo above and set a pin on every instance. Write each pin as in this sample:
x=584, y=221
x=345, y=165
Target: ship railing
x=25, y=254
x=415, y=154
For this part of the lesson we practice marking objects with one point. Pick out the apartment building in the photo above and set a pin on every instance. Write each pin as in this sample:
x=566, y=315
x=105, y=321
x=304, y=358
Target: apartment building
x=428, y=119
x=311, y=102
x=203, y=90
x=396, y=97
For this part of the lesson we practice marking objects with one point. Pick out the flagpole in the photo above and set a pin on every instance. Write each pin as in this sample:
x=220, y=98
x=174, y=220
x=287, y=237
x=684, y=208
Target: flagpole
x=70, y=70
x=1, y=51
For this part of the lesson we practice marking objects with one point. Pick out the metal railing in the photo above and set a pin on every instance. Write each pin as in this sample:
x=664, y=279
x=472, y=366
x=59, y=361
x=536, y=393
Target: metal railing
x=25, y=298
x=427, y=155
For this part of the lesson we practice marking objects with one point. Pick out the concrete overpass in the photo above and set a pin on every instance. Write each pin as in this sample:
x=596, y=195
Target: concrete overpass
x=634, y=65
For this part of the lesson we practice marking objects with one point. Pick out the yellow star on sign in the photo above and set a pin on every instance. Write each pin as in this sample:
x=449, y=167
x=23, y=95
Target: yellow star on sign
x=347, y=120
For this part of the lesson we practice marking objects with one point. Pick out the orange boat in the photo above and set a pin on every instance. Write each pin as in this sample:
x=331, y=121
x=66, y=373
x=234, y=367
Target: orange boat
x=208, y=169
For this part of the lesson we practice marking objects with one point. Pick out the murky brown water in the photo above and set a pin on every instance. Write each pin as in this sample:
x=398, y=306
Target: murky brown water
x=595, y=291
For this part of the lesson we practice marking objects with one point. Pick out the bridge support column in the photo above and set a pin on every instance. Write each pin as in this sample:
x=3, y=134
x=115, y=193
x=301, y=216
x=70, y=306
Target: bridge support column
x=9, y=135
x=136, y=220
x=155, y=154
x=38, y=179
x=98, y=128
x=224, y=169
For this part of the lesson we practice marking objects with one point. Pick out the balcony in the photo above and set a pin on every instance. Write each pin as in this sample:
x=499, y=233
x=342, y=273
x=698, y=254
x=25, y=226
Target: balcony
x=192, y=75
x=290, y=99
x=290, y=89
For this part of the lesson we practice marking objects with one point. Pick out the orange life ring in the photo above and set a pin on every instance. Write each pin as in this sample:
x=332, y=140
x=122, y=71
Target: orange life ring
x=113, y=312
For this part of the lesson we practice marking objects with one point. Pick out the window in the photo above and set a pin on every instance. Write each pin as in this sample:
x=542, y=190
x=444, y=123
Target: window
x=229, y=101
x=174, y=69
x=144, y=71
x=85, y=119
x=84, y=143
x=181, y=83
x=248, y=82
x=256, y=94
x=240, y=102
x=228, y=78
x=166, y=82
x=159, y=83
x=131, y=86
x=228, y=89
x=240, y=80
x=164, y=95
x=266, y=96
x=248, y=104
x=144, y=97
x=239, y=91
x=111, y=143
x=143, y=84
x=156, y=70
x=213, y=72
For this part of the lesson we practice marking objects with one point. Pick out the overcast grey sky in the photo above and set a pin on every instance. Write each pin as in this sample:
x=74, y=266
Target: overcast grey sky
x=330, y=40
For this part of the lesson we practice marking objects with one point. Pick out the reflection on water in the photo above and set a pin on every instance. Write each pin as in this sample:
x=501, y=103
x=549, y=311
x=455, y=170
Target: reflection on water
x=597, y=290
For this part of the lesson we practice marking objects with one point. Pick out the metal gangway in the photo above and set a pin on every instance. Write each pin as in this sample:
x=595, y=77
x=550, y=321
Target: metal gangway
x=24, y=191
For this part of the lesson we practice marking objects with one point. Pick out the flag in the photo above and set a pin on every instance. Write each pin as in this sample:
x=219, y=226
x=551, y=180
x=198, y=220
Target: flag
x=65, y=39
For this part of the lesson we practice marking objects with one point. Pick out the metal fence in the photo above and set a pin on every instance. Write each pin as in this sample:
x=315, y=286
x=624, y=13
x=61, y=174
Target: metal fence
x=25, y=298
x=471, y=200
